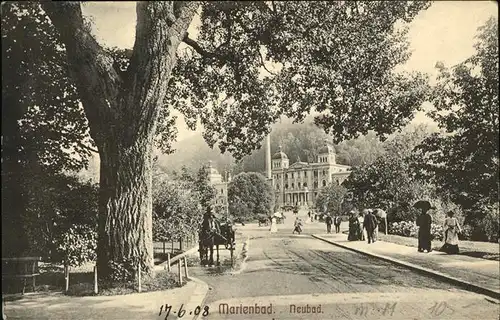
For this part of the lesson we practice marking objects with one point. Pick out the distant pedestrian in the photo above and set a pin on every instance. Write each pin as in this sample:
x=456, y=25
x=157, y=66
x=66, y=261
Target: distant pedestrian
x=328, y=222
x=297, y=226
x=274, y=226
x=362, y=233
x=424, y=223
x=354, y=227
x=451, y=231
x=370, y=224
x=337, y=222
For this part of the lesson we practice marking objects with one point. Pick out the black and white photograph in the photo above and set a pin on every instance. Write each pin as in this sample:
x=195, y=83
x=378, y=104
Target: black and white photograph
x=241, y=160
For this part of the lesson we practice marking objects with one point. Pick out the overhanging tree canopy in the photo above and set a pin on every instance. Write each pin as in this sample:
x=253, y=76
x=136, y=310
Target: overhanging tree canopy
x=336, y=58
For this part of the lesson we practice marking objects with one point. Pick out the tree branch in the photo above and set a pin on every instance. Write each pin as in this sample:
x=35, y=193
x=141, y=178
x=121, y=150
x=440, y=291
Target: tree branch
x=161, y=27
x=92, y=69
x=264, y=65
x=196, y=46
x=87, y=147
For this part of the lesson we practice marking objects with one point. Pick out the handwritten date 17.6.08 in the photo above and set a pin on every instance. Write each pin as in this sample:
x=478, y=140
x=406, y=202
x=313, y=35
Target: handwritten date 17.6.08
x=167, y=310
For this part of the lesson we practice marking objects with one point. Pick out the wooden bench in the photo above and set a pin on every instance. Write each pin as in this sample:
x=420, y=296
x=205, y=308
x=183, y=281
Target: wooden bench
x=21, y=268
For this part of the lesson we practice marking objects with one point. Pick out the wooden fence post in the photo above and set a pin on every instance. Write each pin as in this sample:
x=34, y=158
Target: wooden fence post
x=385, y=225
x=172, y=251
x=139, y=276
x=168, y=262
x=95, y=280
x=66, y=276
x=186, y=274
x=180, y=271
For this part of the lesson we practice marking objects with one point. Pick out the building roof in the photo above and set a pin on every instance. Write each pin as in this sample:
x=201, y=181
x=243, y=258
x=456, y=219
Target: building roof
x=280, y=155
x=326, y=149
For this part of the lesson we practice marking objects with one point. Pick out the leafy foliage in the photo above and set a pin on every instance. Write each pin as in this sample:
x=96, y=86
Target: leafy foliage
x=389, y=182
x=56, y=205
x=179, y=202
x=37, y=93
x=78, y=245
x=250, y=195
x=464, y=160
x=176, y=211
x=330, y=199
x=327, y=57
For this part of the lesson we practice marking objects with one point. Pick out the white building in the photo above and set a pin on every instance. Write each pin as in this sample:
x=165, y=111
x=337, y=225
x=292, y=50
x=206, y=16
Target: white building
x=301, y=182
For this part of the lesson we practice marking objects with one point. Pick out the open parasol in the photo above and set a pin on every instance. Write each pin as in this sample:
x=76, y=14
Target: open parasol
x=422, y=205
x=380, y=213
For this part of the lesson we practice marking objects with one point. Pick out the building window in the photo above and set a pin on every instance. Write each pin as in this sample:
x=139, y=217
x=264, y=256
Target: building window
x=286, y=175
x=286, y=186
x=305, y=185
x=292, y=176
x=305, y=174
x=315, y=173
x=221, y=191
x=324, y=183
x=315, y=184
x=277, y=187
x=293, y=185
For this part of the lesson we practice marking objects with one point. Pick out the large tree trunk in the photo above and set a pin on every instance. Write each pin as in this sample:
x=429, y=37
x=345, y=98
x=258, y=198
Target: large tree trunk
x=125, y=211
x=122, y=110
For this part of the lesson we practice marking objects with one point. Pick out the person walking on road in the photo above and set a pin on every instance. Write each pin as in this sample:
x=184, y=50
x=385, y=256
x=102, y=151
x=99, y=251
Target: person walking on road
x=337, y=222
x=451, y=231
x=297, y=226
x=424, y=222
x=328, y=221
x=370, y=224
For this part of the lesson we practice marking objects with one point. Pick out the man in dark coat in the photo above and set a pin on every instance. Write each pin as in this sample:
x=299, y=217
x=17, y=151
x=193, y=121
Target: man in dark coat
x=424, y=223
x=370, y=223
x=337, y=222
x=328, y=221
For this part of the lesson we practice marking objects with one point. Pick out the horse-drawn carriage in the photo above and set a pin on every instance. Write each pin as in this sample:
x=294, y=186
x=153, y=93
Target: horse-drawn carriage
x=213, y=233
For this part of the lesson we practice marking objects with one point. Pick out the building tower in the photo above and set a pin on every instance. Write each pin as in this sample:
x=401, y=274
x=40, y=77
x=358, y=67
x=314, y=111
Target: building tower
x=326, y=154
x=268, y=156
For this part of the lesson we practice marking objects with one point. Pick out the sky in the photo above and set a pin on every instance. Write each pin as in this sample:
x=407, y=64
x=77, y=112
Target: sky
x=444, y=32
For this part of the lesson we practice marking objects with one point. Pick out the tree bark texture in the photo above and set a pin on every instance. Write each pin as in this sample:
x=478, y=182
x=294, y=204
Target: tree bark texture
x=122, y=110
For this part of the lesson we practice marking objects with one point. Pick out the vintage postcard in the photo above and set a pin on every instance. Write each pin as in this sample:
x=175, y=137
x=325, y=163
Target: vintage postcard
x=266, y=160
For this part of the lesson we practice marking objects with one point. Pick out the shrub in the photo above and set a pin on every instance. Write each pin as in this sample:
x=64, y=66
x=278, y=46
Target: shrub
x=78, y=245
x=410, y=229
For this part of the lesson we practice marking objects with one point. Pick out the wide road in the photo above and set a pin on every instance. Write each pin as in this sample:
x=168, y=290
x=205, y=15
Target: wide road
x=289, y=274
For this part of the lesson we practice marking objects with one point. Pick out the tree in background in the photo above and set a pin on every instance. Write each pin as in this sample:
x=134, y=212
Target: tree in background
x=250, y=195
x=176, y=210
x=392, y=181
x=331, y=55
x=360, y=151
x=464, y=160
x=330, y=199
x=44, y=130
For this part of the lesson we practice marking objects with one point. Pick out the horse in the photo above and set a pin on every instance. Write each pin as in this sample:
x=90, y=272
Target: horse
x=214, y=233
x=264, y=221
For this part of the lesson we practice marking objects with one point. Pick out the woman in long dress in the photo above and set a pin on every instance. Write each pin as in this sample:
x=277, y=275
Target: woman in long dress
x=362, y=230
x=274, y=226
x=451, y=231
x=354, y=228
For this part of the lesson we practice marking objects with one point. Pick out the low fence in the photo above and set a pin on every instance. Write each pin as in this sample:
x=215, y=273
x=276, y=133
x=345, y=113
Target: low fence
x=175, y=245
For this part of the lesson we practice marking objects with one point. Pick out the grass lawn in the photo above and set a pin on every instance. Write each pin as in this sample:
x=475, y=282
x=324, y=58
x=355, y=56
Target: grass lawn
x=81, y=282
